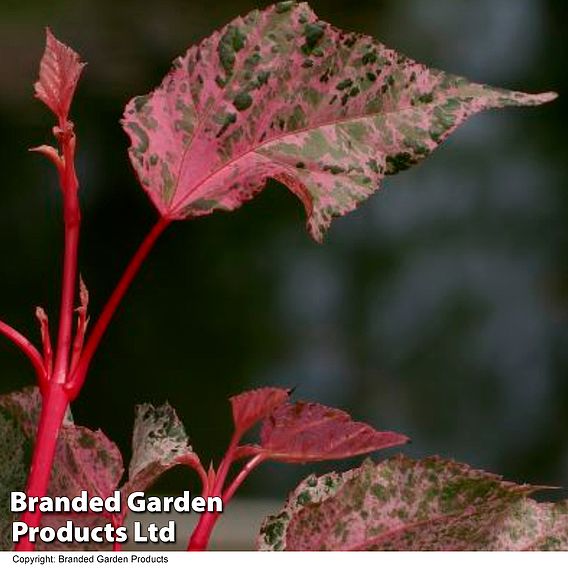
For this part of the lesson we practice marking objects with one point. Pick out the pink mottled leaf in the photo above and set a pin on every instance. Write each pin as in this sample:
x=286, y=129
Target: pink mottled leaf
x=280, y=94
x=308, y=432
x=16, y=431
x=252, y=406
x=59, y=72
x=23, y=407
x=405, y=504
x=84, y=461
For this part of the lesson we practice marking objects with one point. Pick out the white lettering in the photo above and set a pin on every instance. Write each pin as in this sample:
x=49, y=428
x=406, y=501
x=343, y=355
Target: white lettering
x=17, y=501
x=214, y=504
x=112, y=503
x=18, y=529
x=136, y=503
x=198, y=504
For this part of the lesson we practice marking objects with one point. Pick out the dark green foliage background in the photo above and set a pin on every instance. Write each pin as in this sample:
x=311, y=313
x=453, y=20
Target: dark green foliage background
x=439, y=308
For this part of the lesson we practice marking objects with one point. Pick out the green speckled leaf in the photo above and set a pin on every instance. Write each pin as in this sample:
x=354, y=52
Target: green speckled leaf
x=16, y=445
x=311, y=490
x=279, y=93
x=85, y=460
x=159, y=442
x=405, y=504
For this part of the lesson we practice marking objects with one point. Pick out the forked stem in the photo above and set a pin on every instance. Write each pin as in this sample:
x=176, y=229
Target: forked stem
x=59, y=393
x=80, y=372
x=200, y=537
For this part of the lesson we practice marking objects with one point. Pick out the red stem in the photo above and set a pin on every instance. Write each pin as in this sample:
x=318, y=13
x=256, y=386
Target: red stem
x=28, y=349
x=225, y=464
x=200, y=537
x=117, y=522
x=112, y=304
x=53, y=410
x=72, y=220
x=55, y=399
x=58, y=389
x=202, y=532
x=198, y=468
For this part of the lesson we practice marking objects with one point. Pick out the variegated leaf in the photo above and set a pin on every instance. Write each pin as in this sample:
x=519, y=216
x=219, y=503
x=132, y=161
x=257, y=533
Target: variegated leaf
x=312, y=490
x=159, y=442
x=24, y=407
x=279, y=93
x=84, y=461
x=15, y=448
x=406, y=504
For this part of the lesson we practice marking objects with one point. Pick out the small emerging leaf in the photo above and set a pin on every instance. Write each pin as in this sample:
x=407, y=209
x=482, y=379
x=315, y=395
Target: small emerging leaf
x=59, y=72
x=51, y=154
x=43, y=320
x=279, y=93
x=308, y=432
x=82, y=322
x=251, y=406
x=406, y=504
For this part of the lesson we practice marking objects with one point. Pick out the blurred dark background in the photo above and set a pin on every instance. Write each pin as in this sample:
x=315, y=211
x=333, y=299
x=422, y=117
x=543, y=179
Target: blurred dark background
x=438, y=308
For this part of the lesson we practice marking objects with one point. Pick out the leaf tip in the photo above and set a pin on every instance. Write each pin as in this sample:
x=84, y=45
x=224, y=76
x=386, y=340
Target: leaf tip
x=548, y=97
x=404, y=440
x=533, y=99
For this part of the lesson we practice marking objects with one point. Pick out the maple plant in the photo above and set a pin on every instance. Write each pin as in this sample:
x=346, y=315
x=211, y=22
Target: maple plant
x=275, y=94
